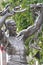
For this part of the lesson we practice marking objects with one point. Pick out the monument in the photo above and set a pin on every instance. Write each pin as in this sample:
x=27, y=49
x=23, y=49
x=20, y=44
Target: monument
x=15, y=46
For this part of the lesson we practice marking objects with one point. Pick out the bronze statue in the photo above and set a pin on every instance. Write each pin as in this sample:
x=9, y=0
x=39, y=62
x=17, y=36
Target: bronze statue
x=16, y=46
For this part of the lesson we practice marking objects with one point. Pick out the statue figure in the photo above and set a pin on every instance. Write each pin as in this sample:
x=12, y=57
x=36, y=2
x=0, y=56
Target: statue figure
x=16, y=46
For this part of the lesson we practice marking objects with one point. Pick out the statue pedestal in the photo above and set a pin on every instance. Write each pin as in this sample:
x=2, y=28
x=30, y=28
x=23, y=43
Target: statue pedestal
x=2, y=56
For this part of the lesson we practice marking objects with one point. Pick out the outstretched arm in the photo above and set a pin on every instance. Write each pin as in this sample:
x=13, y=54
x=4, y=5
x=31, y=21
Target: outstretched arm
x=38, y=8
x=6, y=13
x=32, y=29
